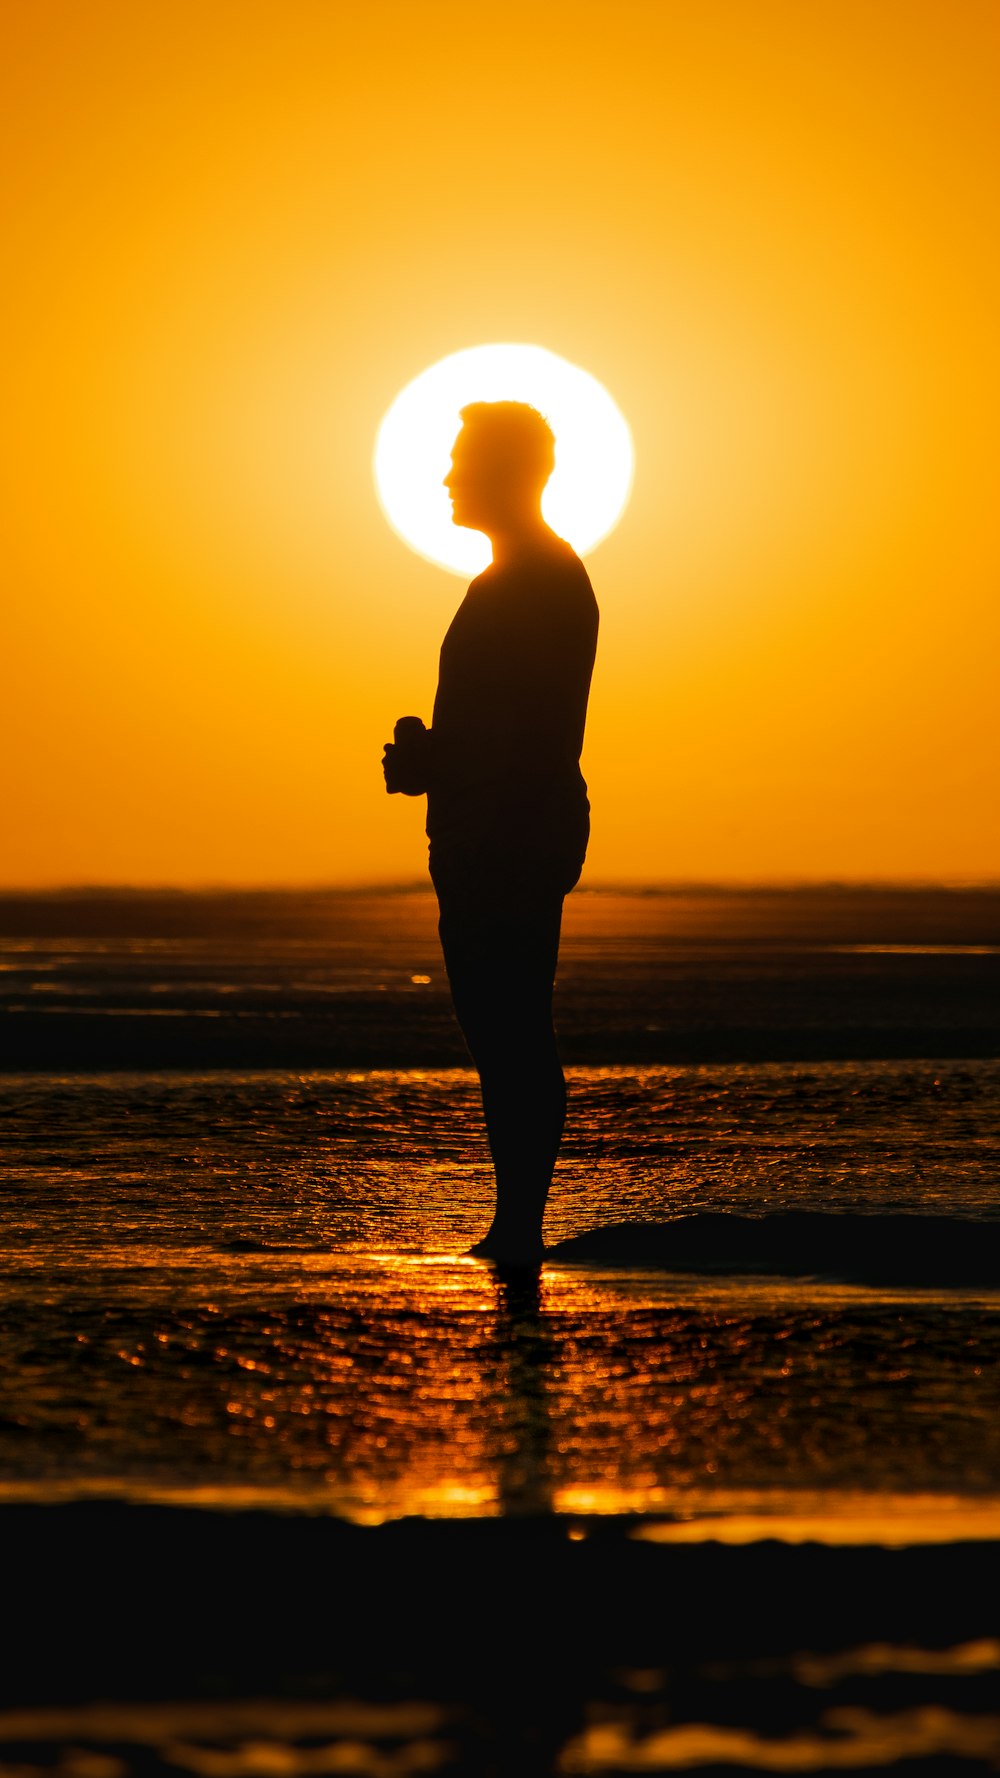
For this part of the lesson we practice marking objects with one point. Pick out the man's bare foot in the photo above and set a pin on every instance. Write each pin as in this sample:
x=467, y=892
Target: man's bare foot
x=505, y=1251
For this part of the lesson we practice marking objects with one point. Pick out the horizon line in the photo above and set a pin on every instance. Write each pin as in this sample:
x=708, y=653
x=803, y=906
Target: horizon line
x=600, y=886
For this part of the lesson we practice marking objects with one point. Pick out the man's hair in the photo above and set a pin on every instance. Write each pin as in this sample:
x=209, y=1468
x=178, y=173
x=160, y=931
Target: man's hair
x=516, y=437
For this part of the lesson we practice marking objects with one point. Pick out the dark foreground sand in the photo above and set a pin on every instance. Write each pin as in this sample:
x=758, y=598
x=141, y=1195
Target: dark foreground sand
x=511, y=1633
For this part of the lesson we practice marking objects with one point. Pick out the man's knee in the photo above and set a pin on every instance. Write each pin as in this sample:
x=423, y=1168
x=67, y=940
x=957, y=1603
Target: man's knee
x=510, y=1040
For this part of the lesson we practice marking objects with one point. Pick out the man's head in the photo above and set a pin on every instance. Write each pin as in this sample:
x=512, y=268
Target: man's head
x=500, y=463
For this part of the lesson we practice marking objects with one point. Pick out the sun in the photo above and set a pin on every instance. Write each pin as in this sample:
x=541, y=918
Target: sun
x=592, y=480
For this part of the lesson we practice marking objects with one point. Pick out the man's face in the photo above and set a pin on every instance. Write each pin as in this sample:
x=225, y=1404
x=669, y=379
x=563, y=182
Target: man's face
x=469, y=484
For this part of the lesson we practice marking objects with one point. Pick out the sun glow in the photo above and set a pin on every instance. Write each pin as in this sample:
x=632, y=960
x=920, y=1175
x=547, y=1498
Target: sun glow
x=593, y=475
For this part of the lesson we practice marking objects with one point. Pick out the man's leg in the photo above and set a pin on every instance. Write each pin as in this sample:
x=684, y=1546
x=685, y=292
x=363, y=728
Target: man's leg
x=502, y=969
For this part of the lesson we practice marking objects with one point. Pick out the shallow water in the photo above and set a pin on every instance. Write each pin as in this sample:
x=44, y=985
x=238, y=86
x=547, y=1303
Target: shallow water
x=248, y=1288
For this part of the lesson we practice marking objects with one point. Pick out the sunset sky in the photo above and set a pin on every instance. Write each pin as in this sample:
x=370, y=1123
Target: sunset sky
x=770, y=229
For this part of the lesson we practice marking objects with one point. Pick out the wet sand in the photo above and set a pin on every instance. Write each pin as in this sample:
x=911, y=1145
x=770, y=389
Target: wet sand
x=146, y=1598
x=521, y=1642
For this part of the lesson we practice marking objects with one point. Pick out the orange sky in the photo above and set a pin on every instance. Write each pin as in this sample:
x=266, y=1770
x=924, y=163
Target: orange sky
x=771, y=229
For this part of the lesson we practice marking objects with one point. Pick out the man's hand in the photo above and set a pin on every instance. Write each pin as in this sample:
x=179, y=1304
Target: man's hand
x=405, y=758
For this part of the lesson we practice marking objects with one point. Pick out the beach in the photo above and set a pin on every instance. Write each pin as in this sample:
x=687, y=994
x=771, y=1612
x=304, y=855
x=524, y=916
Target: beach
x=719, y=1490
x=247, y=1642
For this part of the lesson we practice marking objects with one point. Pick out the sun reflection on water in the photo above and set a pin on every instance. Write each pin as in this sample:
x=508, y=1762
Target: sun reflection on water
x=380, y=1385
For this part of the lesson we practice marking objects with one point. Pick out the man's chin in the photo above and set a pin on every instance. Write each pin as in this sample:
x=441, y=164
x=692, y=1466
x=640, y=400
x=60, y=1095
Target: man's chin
x=466, y=523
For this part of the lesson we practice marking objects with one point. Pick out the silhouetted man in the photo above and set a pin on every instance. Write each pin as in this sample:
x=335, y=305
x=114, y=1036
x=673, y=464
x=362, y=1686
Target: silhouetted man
x=507, y=813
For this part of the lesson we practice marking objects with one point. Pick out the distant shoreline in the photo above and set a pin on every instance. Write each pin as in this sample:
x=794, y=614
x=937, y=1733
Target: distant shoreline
x=96, y=980
x=819, y=908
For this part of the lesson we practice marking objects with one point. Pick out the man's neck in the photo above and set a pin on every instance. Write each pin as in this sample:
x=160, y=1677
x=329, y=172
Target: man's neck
x=512, y=543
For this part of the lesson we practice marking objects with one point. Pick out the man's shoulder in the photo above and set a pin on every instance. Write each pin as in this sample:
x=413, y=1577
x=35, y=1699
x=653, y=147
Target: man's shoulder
x=557, y=571
x=570, y=588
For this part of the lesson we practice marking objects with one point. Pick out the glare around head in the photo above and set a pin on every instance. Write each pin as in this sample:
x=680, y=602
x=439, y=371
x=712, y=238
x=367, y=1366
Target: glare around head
x=589, y=486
